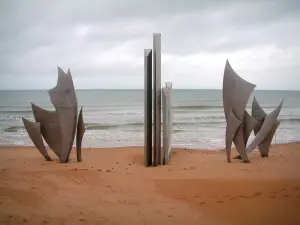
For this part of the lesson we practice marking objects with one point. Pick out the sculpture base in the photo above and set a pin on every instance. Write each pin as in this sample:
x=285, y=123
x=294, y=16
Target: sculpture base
x=246, y=161
x=264, y=155
x=238, y=157
x=64, y=161
x=48, y=158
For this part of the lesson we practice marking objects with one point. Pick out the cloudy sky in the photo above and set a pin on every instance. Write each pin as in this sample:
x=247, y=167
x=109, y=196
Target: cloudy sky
x=102, y=42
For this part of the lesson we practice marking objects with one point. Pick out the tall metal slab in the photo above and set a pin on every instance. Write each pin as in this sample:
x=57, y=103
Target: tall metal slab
x=157, y=97
x=170, y=119
x=148, y=107
x=167, y=121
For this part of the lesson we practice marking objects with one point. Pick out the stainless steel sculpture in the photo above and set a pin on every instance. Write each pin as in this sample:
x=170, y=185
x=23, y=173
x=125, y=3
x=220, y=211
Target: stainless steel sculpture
x=156, y=155
x=157, y=97
x=57, y=127
x=34, y=132
x=265, y=128
x=148, y=107
x=167, y=121
x=236, y=92
x=79, y=135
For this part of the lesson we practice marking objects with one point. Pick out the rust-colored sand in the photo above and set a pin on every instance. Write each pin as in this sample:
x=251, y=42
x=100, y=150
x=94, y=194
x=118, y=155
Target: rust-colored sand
x=112, y=186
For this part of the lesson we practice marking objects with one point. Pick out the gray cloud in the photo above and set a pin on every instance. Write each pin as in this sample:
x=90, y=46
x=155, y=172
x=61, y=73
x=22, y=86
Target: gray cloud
x=103, y=41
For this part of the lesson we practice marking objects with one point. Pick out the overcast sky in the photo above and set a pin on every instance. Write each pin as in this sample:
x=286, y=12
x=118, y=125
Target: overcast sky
x=102, y=42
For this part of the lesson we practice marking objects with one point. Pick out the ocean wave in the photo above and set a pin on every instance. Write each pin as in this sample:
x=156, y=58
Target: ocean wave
x=294, y=120
x=14, y=129
x=197, y=107
x=16, y=111
x=106, y=126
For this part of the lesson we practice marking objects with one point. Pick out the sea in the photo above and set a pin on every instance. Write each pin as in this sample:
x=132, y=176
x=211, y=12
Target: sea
x=115, y=118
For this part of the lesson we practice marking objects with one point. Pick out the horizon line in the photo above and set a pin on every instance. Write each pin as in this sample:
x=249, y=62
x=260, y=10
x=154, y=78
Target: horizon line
x=133, y=89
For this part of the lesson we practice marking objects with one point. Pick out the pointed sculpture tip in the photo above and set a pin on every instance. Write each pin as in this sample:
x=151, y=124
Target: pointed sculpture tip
x=282, y=100
x=60, y=71
x=227, y=64
x=33, y=105
x=281, y=103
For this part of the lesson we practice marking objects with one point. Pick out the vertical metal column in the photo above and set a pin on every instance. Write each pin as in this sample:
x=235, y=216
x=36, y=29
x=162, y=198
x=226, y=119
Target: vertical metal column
x=157, y=97
x=170, y=120
x=165, y=123
x=148, y=107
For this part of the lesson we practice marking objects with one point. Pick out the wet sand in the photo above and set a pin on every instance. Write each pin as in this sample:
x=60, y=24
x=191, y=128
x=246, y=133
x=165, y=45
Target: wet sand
x=112, y=186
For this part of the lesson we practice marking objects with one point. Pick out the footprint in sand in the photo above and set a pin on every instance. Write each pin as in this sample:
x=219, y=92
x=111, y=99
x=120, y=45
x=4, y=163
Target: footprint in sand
x=220, y=201
x=108, y=171
x=286, y=196
x=272, y=196
x=99, y=170
x=202, y=203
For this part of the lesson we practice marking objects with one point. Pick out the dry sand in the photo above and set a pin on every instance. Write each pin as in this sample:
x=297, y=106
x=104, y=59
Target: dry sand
x=112, y=186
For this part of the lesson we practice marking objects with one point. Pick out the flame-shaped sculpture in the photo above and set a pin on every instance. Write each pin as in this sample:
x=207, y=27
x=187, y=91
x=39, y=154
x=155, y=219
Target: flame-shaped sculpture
x=265, y=129
x=58, y=127
x=236, y=92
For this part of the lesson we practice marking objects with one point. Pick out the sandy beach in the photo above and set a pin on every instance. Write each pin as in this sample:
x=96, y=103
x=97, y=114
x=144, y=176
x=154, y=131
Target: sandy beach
x=112, y=186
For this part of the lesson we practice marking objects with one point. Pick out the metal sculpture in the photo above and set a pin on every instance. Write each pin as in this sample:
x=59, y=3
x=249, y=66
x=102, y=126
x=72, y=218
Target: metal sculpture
x=265, y=128
x=147, y=107
x=154, y=154
x=167, y=121
x=236, y=92
x=57, y=127
x=34, y=132
x=79, y=135
x=157, y=158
